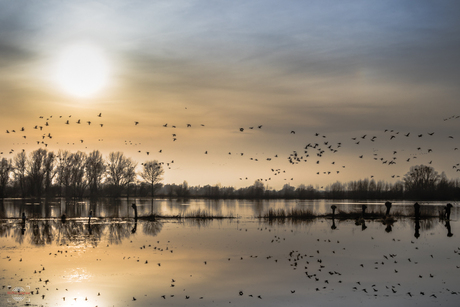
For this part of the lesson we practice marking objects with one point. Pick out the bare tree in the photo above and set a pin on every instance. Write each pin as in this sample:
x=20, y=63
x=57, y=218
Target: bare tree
x=95, y=170
x=421, y=181
x=152, y=173
x=257, y=190
x=36, y=171
x=64, y=170
x=183, y=190
x=77, y=173
x=20, y=171
x=121, y=171
x=337, y=190
x=49, y=170
x=5, y=171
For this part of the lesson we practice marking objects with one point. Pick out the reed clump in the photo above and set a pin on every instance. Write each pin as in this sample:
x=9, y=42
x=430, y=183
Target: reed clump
x=198, y=214
x=203, y=214
x=292, y=213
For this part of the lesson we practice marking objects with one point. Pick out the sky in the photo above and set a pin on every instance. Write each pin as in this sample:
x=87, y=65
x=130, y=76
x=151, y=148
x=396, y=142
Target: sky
x=370, y=82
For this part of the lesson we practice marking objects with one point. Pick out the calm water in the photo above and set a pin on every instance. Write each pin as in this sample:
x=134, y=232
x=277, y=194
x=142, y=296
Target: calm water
x=242, y=261
x=121, y=208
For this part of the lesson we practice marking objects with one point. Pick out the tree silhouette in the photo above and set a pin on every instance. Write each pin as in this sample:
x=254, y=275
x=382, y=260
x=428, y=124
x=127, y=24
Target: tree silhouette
x=36, y=171
x=49, y=170
x=288, y=191
x=420, y=181
x=5, y=170
x=183, y=190
x=152, y=173
x=121, y=171
x=63, y=170
x=20, y=173
x=82, y=174
x=95, y=169
x=257, y=190
x=77, y=173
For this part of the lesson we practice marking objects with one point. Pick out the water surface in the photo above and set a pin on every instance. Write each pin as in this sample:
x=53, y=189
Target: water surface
x=244, y=261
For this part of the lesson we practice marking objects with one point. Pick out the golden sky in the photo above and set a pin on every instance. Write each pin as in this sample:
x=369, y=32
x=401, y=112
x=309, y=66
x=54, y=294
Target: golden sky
x=339, y=70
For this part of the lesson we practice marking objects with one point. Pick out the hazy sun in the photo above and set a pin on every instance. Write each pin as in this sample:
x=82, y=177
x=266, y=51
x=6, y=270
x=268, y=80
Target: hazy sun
x=82, y=70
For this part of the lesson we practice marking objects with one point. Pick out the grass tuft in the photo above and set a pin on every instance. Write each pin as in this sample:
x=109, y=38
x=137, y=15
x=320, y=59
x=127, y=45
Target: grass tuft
x=292, y=213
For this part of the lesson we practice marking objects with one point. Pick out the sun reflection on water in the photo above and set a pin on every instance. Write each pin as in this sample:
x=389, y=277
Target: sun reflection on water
x=77, y=275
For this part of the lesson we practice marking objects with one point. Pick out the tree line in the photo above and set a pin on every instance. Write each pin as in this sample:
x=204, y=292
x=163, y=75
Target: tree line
x=43, y=173
x=420, y=183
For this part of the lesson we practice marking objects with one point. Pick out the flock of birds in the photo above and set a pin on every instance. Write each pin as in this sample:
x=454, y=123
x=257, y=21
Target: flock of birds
x=320, y=153
x=317, y=268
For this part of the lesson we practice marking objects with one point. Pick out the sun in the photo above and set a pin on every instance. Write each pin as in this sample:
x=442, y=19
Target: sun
x=82, y=70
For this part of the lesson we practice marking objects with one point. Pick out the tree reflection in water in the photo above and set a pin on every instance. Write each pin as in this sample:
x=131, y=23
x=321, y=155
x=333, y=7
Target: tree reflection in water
x=152, y=228
x=42, y=232
x=45, y=232
x=77, y=231
x=116, y=232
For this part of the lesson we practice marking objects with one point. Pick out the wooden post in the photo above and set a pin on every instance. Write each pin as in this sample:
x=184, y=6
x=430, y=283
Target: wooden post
x=388, y=205
x=417, y=210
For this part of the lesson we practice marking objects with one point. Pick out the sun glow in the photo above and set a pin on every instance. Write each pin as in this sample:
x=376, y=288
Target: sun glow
x=82, y=70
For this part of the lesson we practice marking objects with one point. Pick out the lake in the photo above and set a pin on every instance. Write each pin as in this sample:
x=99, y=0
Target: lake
x=238, y=261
